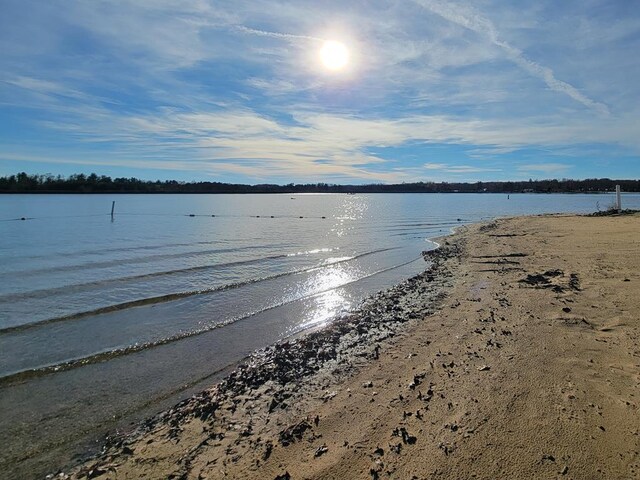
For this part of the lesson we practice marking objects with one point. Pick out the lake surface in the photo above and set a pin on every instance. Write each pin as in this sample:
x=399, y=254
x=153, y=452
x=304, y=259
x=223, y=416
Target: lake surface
x=106, y=320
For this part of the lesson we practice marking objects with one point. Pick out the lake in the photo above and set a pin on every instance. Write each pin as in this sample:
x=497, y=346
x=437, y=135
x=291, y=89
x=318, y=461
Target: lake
x=105, y=320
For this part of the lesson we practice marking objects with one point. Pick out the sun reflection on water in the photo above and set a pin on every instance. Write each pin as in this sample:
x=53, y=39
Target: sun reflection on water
x=326, y=299
x=353, y=209
x=329, y=299
x=327, y=306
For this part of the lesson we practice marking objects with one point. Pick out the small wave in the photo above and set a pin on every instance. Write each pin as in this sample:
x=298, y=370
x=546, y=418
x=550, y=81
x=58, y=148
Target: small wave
x=123, y=261
x=172, y=296
x=104, y=355
x=45, y=292
x=100, y=251
x=109, y=354
x=79, y=287
x=309, y=252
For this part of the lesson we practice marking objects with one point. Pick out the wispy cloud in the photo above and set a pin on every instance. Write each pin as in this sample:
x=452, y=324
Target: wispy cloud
x=546, y=168
x=42, y=86
x=310, y=145
x=459, y=169
x=468, y=17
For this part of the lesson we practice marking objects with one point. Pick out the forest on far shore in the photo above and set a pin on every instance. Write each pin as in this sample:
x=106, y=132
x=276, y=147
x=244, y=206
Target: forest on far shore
x=80, y=183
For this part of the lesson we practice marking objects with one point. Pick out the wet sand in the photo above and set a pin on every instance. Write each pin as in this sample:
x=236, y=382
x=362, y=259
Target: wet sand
x=516, y=355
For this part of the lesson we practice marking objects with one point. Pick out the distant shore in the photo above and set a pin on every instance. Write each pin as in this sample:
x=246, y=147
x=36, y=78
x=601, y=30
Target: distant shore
x=515, y=355
x=92, y=184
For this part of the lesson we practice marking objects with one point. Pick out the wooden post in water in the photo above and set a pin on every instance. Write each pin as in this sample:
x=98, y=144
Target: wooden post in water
x=113, y=207
x=618, y=199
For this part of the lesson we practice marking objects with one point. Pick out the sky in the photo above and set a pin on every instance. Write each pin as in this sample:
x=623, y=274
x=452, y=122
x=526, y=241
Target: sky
x=236, y=91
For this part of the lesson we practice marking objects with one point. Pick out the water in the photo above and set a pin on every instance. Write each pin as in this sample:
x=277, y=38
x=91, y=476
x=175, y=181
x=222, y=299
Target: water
x=103, y=322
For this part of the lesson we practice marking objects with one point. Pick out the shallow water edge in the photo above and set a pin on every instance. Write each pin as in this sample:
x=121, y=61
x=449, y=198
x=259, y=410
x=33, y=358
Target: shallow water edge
x=277, y=375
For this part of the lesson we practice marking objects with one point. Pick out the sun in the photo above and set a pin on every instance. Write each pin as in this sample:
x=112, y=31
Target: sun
x=334, y=55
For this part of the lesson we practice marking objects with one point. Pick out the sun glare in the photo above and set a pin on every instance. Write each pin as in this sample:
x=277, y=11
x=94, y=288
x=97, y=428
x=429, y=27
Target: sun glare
x=334, y=55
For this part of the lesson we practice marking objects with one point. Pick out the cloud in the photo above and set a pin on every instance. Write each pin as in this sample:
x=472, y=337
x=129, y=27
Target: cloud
x=471, y=19
x=459, y=169
x=307, y=144
x=42, y=86
x=547, y=168
x=435, y=166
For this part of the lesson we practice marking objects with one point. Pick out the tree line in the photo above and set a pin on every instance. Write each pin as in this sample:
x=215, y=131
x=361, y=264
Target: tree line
x=80, y=183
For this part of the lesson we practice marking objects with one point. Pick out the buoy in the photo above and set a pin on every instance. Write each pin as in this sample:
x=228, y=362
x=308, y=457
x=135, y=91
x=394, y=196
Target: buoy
x=324, y=217
x=213, y=215
x=301, y=217
x=22, y=218
x=191, y=215
x=272, y=216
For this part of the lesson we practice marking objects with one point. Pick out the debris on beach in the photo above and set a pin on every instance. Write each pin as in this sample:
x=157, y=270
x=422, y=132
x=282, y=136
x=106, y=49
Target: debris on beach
x=293, y=433
x=406, y=437
x=321, y=450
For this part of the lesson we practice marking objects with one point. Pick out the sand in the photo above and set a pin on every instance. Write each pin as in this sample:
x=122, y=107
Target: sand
x=516, y=355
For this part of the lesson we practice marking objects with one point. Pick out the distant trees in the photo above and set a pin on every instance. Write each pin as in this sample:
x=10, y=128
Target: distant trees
x=92, y=183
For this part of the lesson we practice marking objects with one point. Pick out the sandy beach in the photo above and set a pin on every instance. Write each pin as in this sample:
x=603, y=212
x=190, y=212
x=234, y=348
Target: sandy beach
x=515, y=355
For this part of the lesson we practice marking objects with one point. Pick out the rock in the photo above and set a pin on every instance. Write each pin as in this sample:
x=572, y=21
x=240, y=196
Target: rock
x=564, y=470
x=322, y=449
x=446, y=448
x=396, y=448
x=368, y=384
x=268, y=448
x=284, y=476
x=328, y=396
x=295, y=432
x=574, y=282
x=406, y=437
x=484, y=368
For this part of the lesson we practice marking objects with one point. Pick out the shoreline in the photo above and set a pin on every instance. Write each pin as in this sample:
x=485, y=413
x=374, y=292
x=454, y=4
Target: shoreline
x=353, y=337
x=329, y=397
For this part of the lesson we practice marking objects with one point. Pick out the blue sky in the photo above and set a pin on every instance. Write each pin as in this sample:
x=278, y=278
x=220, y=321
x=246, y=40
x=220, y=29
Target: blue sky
x=235, y=91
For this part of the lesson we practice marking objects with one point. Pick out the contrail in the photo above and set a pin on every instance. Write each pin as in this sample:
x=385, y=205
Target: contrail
x=286, y=36
x=472, y=20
